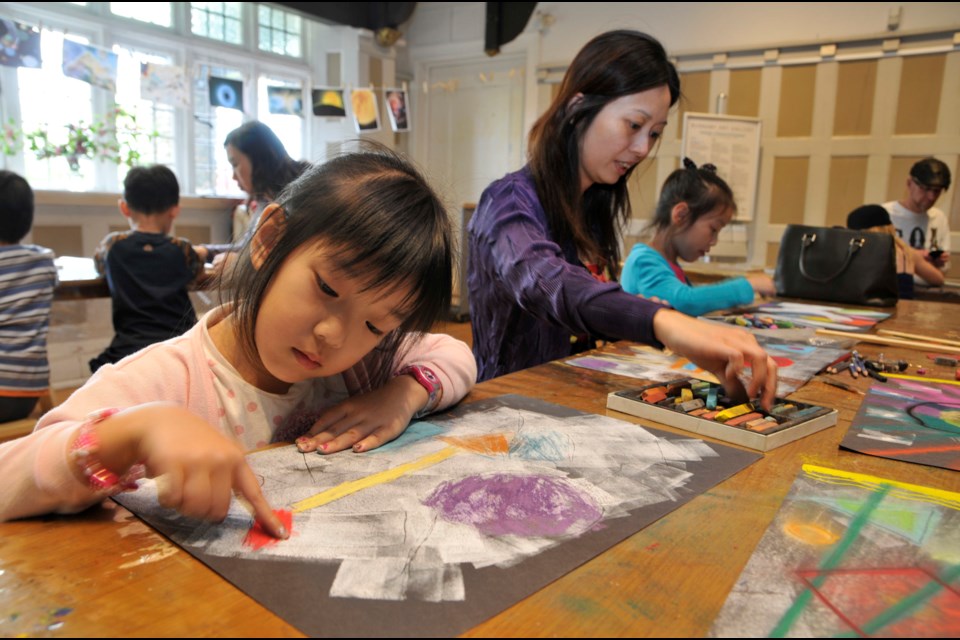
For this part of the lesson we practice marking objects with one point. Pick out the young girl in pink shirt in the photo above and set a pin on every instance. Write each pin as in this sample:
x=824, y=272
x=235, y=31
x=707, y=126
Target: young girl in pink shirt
x=323, y=341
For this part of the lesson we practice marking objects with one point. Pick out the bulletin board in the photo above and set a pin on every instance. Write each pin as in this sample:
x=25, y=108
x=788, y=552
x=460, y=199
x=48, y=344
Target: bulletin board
x=733, y=145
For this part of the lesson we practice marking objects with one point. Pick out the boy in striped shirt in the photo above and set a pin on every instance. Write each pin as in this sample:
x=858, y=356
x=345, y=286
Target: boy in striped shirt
x=28, y=277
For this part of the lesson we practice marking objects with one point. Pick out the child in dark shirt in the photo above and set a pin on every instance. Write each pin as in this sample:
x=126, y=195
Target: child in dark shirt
x=147, y=270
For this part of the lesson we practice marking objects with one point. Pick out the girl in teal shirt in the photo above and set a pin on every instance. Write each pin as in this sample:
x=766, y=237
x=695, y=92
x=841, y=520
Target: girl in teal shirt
x=695, y=204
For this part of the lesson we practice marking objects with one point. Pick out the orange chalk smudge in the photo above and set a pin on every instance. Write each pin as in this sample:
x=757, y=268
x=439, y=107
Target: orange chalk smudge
x=493, y=443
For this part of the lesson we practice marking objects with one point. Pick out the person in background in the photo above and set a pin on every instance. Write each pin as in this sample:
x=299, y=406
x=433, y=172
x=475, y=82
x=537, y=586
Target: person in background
x=261, y=168
x=146, y=269
x=543, y=242
x=922, y=226
x=910, y=263
x=28, y=277
x=695, y=204
x=323, y=341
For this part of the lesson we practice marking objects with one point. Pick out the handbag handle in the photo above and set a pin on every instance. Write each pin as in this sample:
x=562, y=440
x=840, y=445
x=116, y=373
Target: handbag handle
x=810, y=238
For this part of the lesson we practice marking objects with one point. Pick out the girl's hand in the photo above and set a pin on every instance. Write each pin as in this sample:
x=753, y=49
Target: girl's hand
x=722, y=350
x=197, y=468
x=368, y=420
x=762, y=284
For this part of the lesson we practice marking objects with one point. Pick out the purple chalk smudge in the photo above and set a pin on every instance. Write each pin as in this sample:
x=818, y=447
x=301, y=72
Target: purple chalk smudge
x=528, y=506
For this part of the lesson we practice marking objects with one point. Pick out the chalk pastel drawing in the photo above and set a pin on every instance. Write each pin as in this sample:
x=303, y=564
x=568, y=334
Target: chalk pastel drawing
x=456, y=520
x=852, y=555
x=910, y=421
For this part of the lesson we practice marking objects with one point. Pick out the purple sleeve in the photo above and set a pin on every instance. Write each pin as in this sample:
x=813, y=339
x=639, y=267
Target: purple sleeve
x=533, y=269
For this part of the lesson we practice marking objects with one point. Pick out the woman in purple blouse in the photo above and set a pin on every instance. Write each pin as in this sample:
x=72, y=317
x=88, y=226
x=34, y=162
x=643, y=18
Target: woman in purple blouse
x=544, y=249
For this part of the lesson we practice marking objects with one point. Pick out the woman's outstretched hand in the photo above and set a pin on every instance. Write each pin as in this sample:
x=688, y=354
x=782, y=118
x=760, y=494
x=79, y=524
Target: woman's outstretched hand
x=724, y=351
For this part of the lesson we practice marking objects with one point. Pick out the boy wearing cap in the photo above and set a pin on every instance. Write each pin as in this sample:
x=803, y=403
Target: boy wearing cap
x=910, y=265
x=921, y=225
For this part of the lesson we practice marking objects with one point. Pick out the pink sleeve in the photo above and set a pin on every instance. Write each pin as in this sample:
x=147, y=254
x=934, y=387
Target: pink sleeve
x=450, y=359
x=37, y=476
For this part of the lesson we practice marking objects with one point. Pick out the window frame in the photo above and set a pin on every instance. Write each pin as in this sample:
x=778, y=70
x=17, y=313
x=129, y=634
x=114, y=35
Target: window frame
x=103, y=28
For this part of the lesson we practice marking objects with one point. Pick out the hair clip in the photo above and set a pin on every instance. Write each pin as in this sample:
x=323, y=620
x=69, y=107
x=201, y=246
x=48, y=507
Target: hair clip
x=692, y=166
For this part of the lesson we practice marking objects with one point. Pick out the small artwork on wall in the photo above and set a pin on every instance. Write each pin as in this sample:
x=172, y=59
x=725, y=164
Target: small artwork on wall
x=226, y=93
x=366, y=116
x=20, y=44
x=285, y=100
x=328, y=101
x=397, y=109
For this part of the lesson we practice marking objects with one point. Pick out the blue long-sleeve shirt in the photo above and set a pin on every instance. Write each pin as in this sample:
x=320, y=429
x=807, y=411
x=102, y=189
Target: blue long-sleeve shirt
x=528, y=294
x=648, y=273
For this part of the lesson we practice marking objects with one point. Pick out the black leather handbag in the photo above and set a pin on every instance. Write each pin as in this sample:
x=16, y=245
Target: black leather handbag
x=833, y=264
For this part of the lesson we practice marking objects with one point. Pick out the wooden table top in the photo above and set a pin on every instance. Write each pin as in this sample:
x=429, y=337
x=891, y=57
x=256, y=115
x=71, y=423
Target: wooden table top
x=103, y=572
x=79, y=280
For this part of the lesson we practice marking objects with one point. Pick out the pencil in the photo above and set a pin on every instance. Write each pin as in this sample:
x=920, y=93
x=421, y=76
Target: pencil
x=897, y=342
x=832, y=367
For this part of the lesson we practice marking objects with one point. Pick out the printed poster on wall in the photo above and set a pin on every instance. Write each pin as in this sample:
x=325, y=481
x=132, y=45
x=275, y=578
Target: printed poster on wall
x=733, y=145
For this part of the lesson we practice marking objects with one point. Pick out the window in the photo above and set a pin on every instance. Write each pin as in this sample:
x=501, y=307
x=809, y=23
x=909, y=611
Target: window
x=158, y=13
x=214, y=175
x=289, y=128
x=279, y=31
x=217, y=20
x=150, y=116
x=186, y=135
x=38, y=111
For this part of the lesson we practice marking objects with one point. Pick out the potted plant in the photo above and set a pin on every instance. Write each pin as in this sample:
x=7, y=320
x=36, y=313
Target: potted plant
x=114, y=139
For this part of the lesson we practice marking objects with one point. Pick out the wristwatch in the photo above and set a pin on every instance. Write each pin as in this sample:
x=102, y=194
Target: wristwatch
x=85, y=453
x=429, y=381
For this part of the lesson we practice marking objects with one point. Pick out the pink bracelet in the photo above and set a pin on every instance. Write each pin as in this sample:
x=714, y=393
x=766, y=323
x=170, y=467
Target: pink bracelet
x=85, y=453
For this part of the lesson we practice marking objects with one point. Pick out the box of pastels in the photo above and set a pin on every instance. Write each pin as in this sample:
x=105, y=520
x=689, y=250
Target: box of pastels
x=703, y=408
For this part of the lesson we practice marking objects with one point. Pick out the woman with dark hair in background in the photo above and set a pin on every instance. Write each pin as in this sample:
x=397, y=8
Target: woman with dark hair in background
x=544, y=241
x=261, y=168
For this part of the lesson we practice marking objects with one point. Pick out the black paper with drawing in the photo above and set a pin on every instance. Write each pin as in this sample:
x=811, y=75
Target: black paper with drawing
x=455, y=521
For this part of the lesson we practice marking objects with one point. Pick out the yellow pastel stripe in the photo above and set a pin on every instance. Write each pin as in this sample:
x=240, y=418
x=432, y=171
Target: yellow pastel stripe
x=905, y=376
x=345, y=489
x=940, y=496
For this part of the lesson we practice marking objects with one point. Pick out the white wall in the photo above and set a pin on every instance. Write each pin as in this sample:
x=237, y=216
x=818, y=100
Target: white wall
x=557, y=30
x=440, y=32
x=682, y=27
x=701, y=26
